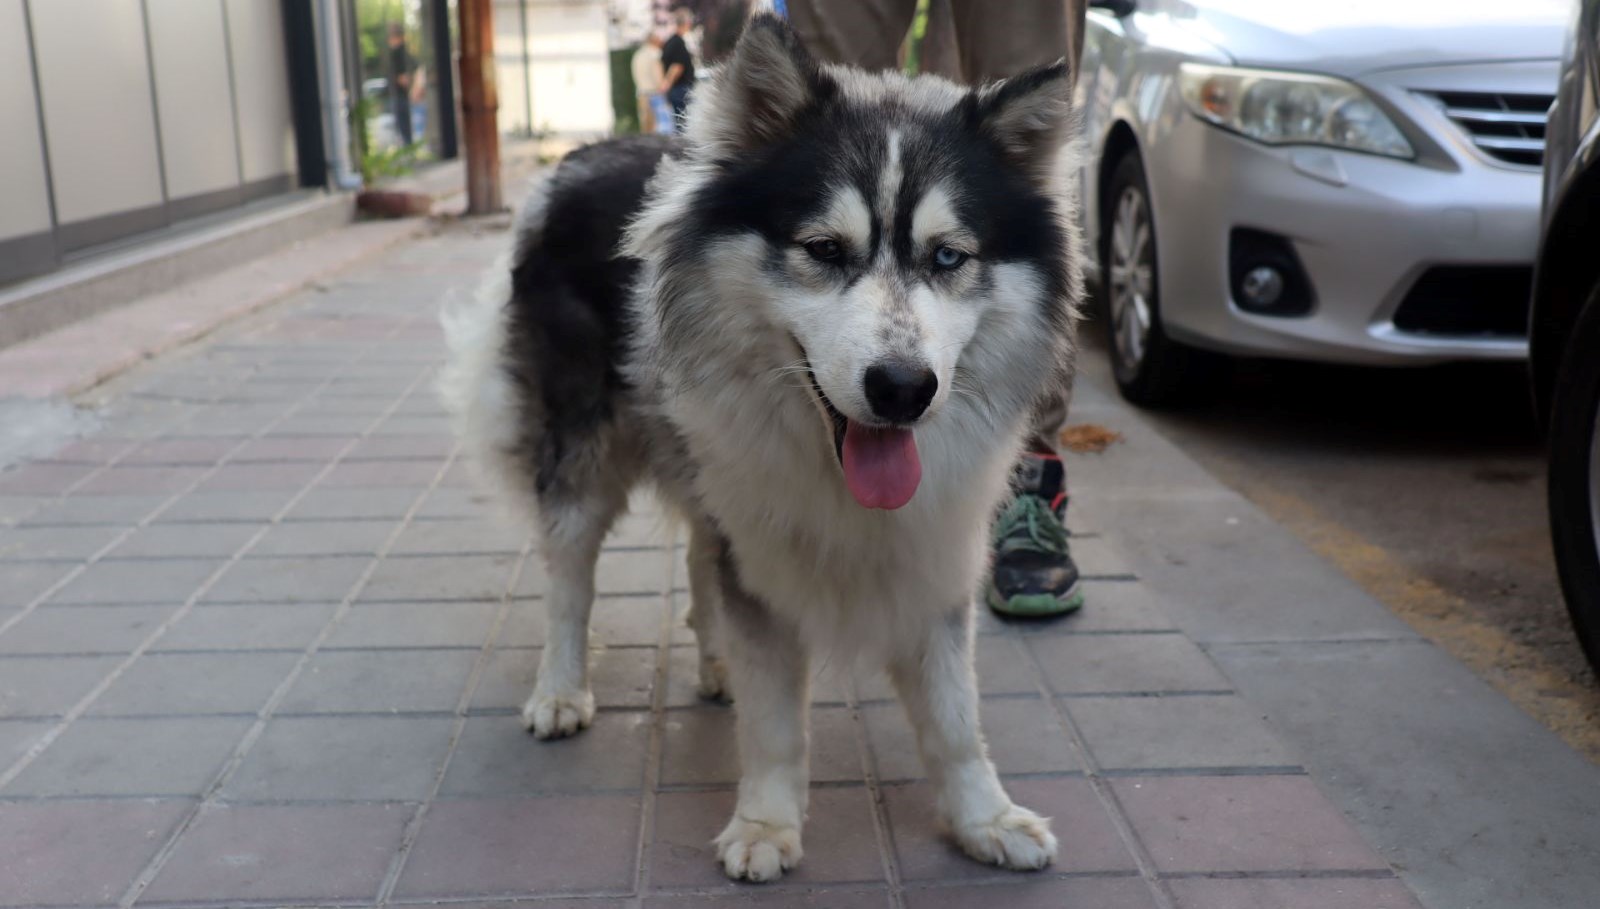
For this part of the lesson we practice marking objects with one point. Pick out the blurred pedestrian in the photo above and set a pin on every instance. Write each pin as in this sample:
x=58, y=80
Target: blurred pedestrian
x=678, y=62
x=647, y=73
x=976, y=41
x=400, y=70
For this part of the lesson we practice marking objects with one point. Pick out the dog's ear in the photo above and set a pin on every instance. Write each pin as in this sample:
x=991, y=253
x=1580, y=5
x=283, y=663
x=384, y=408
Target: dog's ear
x=1029, y=115
x=767, y=83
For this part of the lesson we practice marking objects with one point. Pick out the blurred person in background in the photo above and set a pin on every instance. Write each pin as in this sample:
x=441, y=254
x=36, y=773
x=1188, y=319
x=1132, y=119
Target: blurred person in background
x=678, y=63
x=647, y=77
x=401, y=69
x=977, y=41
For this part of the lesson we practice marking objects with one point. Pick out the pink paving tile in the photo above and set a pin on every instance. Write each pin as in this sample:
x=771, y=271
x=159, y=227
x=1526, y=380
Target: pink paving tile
x=361, y=474
x=293, y=448
x=1088, y=840
x=1336, y=893
x=839, y=839
x=1241, y=823
x=283, y=852
x=78, y=853
x=524, y=847
x=1033, y=892
x=181, y=451
x=242, y=477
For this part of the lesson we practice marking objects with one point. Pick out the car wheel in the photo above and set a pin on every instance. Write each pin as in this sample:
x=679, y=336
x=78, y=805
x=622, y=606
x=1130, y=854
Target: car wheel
x=1151, y=369
x=1575, y=477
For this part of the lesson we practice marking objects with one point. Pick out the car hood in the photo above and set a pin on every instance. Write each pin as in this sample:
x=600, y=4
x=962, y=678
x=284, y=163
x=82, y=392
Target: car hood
x=1354, y=37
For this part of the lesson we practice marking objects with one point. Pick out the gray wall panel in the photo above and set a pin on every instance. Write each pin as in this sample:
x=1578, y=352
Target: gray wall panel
x=190, y=52
x=261, y=88
x=23, y=184
x=94, y=80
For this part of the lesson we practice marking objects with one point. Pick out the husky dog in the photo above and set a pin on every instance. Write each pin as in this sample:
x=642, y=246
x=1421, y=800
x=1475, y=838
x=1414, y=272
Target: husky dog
x=819, y=327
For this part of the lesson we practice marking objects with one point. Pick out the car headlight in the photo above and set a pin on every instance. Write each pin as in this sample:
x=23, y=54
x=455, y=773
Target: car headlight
x=1283, y=108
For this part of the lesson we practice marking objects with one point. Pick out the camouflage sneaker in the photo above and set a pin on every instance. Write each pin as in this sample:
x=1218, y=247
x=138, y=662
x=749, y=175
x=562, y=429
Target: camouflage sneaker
x=1033, y=573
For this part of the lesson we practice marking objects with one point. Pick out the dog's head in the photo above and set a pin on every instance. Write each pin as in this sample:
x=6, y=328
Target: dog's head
x=903, y=237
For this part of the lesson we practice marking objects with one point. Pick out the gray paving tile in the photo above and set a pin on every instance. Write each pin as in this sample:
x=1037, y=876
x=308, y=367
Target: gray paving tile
x=119, y=510
x=78, y=853
x=1047, y=893
x=192, y=540
x=449, y=624
x=16, y=508
x=400, y=579
x=1089, y=841
x=182, y=451
x=48, y=687
x=290, y=475
x=399, y=446
x=619, y=677
x=115, y=583
x=481, y=847
x=415, y=475
x=380, y=681
x=1125, y=663
x=120, y=757
x=325, y=538
x=447, y=503
x=1336, y=893
x=278, y=448
x=250, y=627
x=289, y=580
x=343, y=757
x=183, y=683
x=497, y=756
x=1241, y=823
x=840, y=840
x=701, y=749
x=1024, y=735
x=227, y=506
x=84, y=629
x=73, y=543
x=459, y=538
x=1157, y=732
x=22, y=582
x=140, y=480
x=1108, y=606
x=17, y=736
x=282, y=853
x=353, y=504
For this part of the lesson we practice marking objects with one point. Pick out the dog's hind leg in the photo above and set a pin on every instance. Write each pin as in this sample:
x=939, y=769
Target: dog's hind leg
x=767, y=665
x=562, y=703
x=936, y=682
x=703, y=610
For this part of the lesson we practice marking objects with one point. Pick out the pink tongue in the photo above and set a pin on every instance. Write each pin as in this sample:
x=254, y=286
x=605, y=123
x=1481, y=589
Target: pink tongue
x=881, y=466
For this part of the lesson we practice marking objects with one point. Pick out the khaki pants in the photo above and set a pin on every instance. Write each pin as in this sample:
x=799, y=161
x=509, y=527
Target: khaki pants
x=970, y=41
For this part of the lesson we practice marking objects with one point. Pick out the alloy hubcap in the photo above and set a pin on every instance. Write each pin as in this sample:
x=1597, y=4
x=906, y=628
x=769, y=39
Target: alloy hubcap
x=1132, y=277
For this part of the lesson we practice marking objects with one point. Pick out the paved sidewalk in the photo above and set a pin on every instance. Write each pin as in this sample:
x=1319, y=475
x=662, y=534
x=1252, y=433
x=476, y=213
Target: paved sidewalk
x=262, y=643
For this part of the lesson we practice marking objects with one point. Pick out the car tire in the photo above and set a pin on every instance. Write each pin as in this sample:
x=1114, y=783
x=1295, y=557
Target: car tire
x=1150, y=368
x=1575, y=477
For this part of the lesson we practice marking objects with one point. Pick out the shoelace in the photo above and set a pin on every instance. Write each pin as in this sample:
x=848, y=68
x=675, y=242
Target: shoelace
x=1028, y=524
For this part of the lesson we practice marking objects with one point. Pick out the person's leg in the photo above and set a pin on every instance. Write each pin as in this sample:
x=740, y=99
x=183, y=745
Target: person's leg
x=864, y=33
x=647, y=115
x=402, y=119
x=678, y=96
x=999, y=40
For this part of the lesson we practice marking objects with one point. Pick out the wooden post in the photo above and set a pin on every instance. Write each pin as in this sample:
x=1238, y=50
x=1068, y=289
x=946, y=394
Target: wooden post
x=480, y=106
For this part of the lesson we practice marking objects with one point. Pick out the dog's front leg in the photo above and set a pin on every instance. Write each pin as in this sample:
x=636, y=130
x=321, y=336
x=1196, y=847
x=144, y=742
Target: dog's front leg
x=767, y=665
x=937, y=685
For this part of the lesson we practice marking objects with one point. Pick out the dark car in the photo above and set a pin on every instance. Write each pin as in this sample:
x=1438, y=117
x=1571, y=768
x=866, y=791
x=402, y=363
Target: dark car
x=1565, y=326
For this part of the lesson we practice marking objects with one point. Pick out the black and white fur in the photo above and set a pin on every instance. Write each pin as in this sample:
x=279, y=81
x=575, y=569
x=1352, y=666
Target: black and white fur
x=660, y=320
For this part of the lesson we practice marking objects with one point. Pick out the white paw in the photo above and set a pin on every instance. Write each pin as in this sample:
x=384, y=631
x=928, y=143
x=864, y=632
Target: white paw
x=753, y=851
x=1018, y=839
x=556, y=716
x=714, y=680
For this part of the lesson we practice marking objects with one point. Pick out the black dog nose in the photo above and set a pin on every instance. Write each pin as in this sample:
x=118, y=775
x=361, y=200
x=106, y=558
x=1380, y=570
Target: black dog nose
x=899, y=392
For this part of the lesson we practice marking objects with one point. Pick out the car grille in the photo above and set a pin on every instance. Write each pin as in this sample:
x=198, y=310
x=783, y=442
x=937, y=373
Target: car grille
x=1468, y=301
x=1509, y=128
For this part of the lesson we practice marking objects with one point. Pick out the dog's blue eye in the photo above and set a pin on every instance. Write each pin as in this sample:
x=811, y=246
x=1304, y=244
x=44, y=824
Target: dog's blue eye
x=824, y=249
x=947, y=258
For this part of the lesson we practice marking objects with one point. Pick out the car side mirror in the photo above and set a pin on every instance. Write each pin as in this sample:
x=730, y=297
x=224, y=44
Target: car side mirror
x=1118, y=8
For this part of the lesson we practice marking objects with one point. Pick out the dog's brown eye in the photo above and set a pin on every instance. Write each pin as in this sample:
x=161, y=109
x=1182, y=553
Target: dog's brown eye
x=824, y=249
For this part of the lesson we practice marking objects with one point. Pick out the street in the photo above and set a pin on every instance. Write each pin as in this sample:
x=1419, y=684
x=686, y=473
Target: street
x=1426, y=487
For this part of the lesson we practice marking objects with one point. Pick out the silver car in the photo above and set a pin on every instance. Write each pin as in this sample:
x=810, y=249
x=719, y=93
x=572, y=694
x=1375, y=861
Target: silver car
x=1352, y=182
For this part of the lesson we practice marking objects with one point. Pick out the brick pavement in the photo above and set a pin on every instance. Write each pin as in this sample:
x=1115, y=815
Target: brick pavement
x=262, y=643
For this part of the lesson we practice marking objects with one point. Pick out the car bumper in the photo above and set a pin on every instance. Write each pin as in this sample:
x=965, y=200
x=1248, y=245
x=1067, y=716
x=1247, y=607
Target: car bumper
x=1365, y=228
